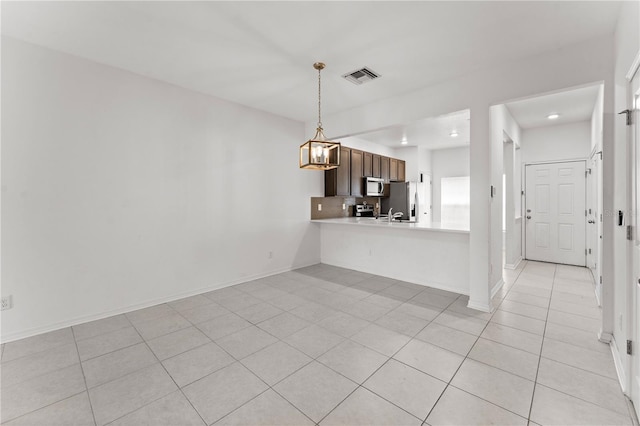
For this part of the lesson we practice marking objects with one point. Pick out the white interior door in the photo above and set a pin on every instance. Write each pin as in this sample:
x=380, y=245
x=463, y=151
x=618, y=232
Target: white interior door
x=555, y=212
x=634, y=243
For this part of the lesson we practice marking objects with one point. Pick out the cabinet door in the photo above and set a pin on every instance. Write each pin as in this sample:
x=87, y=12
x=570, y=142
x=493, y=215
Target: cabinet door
x=401, y=171
x=384, y=168
x=337, y=182
x=376, y=166
x=367, y=168
x=357, y=160
x=393, y=169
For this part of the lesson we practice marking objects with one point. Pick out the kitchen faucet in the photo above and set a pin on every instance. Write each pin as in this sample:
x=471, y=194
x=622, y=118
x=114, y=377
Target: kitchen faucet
x=393, y=216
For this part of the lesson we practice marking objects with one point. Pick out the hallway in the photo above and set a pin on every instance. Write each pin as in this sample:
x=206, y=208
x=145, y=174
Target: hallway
x=325, y=345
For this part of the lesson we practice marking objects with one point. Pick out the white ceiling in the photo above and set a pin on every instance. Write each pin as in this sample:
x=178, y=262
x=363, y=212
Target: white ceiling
x=260, y=54
x=431, y=133
x=572, y=105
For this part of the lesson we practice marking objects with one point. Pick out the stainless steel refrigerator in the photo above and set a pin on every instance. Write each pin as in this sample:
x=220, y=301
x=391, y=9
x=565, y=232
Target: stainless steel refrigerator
x=404, y=197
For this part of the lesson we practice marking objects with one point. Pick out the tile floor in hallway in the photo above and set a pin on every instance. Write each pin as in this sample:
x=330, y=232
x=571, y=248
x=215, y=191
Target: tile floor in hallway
x=325, y=345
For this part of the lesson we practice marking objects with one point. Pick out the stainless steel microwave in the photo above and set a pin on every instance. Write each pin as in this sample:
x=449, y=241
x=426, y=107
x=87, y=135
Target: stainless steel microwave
x=374, y=186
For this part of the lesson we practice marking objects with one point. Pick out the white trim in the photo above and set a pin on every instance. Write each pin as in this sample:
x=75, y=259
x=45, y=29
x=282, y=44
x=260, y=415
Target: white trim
x=568, y=160
x=497, y=287
x=617, y=360
x=479, y=306
x=604, y=337
x=86, y=318
x=634, y=67
x=595, y=291
x=514, y=265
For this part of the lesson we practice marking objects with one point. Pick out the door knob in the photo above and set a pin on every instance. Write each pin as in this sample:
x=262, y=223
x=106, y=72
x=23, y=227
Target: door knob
x=528, y=217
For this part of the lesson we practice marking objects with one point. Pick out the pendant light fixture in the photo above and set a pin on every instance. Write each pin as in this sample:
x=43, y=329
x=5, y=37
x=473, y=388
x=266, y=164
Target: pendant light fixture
x=319, y=153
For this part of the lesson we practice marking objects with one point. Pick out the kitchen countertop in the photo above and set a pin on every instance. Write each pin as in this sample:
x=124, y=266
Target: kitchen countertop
x=376, y=223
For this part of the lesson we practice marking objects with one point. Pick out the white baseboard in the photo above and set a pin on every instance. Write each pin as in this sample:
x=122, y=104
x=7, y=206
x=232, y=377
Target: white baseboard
x=597, y=293
x=479, y=306
x=605, y=337
x=80, y=320
x=497, y=287
x=617, y=360
x=514, y=265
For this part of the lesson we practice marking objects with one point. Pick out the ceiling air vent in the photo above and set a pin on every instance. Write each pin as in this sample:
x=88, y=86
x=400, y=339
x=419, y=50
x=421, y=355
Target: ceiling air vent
x=360, y=76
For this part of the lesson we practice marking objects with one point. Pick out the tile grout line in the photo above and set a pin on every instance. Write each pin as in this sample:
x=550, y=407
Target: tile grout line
x=456, y=372
x=163, y=396
x=84, y=377
x=573, y=366
x=359, y=385
x=535, y=383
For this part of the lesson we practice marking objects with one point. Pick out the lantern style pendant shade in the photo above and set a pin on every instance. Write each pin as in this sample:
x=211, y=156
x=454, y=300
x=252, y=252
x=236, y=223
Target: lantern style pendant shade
x=318, y=153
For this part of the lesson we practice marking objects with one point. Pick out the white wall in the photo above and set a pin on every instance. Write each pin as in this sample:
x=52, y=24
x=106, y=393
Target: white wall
x=365, y=145
x=120, y=191
x=597, y=117
x=424, y=161
x=410, y=155
x=560, y=142
x=452, y=162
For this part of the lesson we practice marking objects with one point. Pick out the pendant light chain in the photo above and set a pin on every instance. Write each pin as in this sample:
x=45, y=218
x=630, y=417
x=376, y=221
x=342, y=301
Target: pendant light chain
x=319, y=97
x=319, y=153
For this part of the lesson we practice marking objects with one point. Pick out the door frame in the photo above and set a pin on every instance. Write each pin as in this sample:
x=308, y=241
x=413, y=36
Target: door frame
x=595, y=174
x=524, y=198
x=633, y=244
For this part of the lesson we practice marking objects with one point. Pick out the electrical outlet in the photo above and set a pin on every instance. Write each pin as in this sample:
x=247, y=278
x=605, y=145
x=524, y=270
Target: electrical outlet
x=6, y=302
x=319, y=207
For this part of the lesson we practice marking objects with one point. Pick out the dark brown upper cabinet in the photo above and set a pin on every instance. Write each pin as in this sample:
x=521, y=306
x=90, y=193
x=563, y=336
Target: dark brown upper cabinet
x=393, y=169
x=401, y=171
x=357, y=162
x=376, y=166
x=367, y=167
x=337, y=182
x=384, y=168
x=347, y=180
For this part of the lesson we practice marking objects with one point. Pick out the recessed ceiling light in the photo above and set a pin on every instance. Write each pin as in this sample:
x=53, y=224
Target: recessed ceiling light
x=553, y=116
x=454, y=134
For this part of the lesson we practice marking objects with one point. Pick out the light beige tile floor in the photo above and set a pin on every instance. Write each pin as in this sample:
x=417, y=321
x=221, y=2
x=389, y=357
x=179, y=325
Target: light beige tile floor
x=329, y=346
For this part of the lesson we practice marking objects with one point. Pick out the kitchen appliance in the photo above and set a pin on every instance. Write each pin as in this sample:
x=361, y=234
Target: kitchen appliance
x=374, y=187
x=404, y=197
x=364, y=210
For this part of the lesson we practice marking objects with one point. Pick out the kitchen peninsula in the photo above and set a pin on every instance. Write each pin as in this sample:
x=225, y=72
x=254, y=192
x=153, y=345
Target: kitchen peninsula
x=421, y=253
